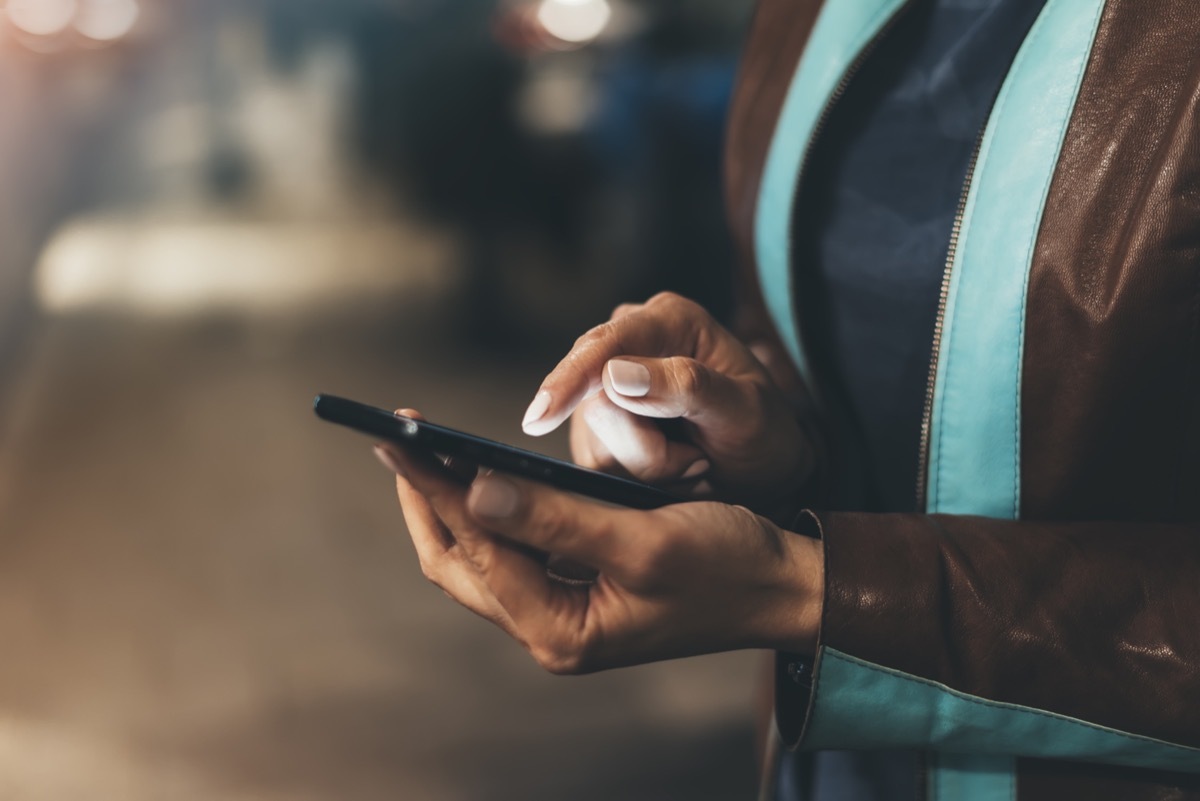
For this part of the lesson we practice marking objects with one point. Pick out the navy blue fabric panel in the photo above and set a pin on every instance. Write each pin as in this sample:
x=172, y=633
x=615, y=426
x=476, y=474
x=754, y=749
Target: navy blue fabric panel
x=871, y=234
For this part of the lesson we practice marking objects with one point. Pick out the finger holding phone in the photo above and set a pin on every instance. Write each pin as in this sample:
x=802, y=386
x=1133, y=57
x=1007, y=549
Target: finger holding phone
x=669, y=360
x=684, y=579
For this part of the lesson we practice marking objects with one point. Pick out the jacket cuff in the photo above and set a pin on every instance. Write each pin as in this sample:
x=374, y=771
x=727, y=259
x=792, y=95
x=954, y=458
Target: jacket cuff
x=881, y=606
x=929, y=641
x=795, y=672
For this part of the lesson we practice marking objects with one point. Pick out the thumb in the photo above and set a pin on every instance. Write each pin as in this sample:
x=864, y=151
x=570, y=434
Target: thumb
x=673, y=387
x=549, y=520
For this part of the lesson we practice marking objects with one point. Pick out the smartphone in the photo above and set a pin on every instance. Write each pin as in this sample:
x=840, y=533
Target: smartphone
x=432, y=438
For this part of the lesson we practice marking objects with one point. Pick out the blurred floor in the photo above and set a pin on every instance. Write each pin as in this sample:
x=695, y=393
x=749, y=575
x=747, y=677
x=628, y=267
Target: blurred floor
x=205, y=593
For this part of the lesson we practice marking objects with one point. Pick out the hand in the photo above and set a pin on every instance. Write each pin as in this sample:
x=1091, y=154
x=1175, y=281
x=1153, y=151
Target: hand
x=686, y=579
x=669, y=359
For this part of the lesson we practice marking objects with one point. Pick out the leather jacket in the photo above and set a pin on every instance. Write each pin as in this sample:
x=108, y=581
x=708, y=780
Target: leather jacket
x=1036, y=630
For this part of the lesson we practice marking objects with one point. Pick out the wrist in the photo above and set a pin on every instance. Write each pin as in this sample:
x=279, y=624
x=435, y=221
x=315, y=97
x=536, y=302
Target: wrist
x=796, y=619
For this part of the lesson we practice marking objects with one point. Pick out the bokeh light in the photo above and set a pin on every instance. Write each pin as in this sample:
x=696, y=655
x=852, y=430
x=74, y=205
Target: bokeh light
x=106, y=20
x=41, y=17
x=575, y=21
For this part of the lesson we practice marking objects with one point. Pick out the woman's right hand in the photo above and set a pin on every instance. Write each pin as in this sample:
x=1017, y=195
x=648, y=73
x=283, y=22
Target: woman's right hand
x=668, y=359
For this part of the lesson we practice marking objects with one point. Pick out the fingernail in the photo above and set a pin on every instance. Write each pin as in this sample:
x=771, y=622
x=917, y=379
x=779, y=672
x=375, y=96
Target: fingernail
x=495, y=498
x=389, y=461
x=697, y=469
x=541, y=402
x=629, y=378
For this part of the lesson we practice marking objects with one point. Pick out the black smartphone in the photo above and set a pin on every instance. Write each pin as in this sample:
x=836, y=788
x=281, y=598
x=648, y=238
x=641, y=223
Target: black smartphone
x=489, y=453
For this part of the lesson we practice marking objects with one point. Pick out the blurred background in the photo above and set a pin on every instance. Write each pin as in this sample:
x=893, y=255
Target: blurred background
x=210, y=210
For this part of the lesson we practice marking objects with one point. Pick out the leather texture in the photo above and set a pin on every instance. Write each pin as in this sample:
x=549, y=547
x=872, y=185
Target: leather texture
x=1094, y=621
x=1112, y=375
x=1101, y=623
x=1110, y=396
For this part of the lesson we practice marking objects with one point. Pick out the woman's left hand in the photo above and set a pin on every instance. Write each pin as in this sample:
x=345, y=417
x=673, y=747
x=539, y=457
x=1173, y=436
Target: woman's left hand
x=685, y=579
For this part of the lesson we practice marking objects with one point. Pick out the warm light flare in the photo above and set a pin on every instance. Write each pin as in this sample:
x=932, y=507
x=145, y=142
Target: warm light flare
x=165, y=267
x=106, y=20
x=41, y=17
x=574, y=21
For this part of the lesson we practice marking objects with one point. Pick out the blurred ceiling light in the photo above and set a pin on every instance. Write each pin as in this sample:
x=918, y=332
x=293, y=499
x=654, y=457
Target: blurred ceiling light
x=574, y=21
x=106, y=20
x=41, y=17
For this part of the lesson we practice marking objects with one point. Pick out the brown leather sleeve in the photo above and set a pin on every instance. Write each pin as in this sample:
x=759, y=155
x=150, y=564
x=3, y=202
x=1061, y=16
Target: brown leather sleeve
x=1096, y=621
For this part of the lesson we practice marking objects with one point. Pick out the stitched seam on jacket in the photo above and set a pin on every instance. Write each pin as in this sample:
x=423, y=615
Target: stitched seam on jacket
x=962, y=696
x=1195, y=390
x=1194, y=351
x=1035, y=32
x=1032, y=249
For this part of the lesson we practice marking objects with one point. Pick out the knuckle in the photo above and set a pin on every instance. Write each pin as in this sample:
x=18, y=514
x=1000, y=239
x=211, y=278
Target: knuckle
x=622, y=309
x=601, y=333
x=557, y=660
x=430, y=572
x=484, y=559
x=691, y=378
x=657, y=557
x=677, y=305
x=667, y=298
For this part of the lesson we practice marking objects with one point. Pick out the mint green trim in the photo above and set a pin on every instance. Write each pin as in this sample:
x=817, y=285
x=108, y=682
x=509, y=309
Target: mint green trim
x=860, y=705
x=841, y=31
x=974, y=446
x=977, y=777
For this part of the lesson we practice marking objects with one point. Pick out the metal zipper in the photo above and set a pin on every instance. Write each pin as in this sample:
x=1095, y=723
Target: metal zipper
x=940, y=322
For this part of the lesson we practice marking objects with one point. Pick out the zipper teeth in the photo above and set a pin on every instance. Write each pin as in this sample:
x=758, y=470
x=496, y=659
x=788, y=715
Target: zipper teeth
x=939, y=325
